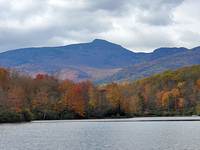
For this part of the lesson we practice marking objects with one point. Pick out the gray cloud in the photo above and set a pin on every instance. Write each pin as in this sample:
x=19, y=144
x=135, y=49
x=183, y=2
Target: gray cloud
x=108, y=5
x=138, y=25
x=157, y=12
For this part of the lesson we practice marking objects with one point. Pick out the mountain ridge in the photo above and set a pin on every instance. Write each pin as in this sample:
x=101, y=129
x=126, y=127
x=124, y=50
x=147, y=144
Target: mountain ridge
x=98, y=60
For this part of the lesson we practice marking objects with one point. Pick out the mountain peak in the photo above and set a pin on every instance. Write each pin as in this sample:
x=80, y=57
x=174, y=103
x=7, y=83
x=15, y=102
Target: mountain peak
x=102, y=42
x=99, y=41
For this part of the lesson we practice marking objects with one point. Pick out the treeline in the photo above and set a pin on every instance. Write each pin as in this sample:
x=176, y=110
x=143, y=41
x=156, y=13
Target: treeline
x=23, y=98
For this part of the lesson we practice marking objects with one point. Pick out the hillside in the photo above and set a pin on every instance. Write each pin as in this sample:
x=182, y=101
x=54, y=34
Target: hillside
x=169, y=93
x=99, y=61
x=157, y=63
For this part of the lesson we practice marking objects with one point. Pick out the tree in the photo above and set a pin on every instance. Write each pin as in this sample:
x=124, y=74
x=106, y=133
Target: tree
x=40, y=103
x=165, y=100
x=178, y=102
x=75, y=97
x=93, y=98
x=16, y=98
x=198, y=84
x=115, y=97
x=4, y=77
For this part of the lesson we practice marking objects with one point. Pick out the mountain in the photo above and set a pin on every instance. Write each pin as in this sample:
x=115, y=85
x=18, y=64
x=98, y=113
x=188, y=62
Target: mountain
x=99, y=60
x=160, y=60
x=96, y=59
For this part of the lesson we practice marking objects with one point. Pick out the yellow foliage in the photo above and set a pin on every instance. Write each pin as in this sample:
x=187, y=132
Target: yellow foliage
x=175, y=92
x=198, y=83
x=180, y=103
x=165, y=99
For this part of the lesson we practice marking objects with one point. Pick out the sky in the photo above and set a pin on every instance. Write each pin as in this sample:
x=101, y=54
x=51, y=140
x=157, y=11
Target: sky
x=139, y=25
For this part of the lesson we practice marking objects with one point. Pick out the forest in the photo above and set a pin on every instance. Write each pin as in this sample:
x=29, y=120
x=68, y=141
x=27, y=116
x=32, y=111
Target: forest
x=23, y=98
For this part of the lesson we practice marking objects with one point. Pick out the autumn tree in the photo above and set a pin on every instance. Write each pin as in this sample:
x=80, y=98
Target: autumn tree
x=93, y=102
x=4, y=78
x=115, y=97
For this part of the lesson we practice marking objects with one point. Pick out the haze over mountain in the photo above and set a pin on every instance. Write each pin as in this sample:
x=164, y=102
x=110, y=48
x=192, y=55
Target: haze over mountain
x=99, y=60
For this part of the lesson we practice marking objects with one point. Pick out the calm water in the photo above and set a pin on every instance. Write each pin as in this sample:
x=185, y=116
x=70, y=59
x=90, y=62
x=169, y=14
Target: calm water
x=103, y=135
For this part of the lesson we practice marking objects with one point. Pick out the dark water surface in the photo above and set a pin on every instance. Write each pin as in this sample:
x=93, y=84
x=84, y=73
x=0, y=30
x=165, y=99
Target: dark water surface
x=126, y=134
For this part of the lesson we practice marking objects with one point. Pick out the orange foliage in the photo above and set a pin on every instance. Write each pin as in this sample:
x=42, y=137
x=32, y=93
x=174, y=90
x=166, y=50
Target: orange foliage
x=198, y=84
x=4, y=75
x=175, y=92
x=114, y=95
x=16, y=97
x=180, y=104
x=75, y=96
x=65, y=85
x=165, y=99
x=46, y=96
x=159, y=98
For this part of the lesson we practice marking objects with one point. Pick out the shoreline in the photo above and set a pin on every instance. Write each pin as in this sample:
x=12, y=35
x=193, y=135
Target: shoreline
x=135, y=119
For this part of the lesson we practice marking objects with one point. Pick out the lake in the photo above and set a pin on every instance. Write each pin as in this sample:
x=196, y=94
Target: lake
x=107, y=134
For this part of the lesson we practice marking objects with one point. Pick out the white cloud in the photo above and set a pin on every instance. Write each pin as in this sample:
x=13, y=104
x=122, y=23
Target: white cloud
x=138, y=25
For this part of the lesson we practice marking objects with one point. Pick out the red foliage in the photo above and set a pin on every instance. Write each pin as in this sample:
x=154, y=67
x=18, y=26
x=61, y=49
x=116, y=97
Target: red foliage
x=41, y=76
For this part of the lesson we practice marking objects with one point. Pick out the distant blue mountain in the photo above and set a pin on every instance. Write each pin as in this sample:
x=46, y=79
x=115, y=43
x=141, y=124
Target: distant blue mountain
x=98, y=60
x=160, y=60
x=98, y=53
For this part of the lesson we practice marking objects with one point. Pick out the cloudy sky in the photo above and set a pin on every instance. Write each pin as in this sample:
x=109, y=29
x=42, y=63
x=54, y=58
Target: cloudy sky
x=140, y=25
